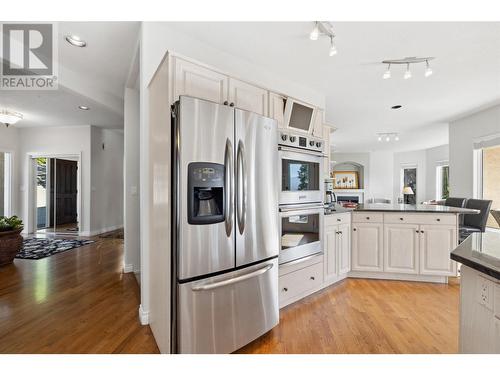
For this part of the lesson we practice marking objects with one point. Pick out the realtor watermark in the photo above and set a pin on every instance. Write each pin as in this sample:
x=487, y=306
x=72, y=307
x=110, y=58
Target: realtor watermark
x=29, y=56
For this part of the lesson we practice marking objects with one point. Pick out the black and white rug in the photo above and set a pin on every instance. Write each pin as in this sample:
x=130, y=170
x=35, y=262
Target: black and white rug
x=38, y=248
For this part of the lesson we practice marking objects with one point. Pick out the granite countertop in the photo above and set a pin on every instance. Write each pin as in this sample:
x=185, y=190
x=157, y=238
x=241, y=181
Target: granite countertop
x=480, y=251
x=414, y=208
x=336, y=209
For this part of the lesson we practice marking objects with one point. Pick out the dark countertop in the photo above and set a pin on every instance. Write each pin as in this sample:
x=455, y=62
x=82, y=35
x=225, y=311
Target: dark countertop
x=337, y=209
x=480, y=251
x=414, y=208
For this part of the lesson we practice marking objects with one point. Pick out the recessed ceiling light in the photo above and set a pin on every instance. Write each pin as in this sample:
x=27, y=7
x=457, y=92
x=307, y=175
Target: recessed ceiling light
x=396, y=106
x=76, y=41
x=83, y=107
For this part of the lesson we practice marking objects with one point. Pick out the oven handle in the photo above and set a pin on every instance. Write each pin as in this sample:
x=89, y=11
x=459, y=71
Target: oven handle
x=302, y=207
x=301, y=151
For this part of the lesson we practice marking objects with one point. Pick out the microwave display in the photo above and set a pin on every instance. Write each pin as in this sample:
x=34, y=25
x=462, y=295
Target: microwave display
x=299, y=230
x=299, y=175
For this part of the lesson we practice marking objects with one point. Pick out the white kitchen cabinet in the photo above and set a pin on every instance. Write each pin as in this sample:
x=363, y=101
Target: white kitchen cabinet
x=197, y=81
x=401, y=248
x=331, y=247
x=436, y=243
x=326, y=150
x=248, y=97
x=277, y=108
x=344, y=248
x=367, y=247
x=317, y=130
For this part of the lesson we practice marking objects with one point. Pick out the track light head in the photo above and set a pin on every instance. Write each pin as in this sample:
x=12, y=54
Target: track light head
x=408, y=72
x=387, y=73
x=333, y=50
x=315, y=32
x=428, y=70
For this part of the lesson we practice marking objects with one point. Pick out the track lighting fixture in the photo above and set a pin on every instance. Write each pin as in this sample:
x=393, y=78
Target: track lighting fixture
x=323, y=28
x=407, y=61
x=408, y=72
x=387, y=136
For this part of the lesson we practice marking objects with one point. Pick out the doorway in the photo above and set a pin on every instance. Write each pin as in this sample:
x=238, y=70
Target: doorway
x=56, y=195
x=5, y=183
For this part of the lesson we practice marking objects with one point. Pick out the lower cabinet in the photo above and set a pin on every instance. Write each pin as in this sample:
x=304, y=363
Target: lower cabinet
x=401, y=248
x=367, y=247
x=337, y=247
x=436, y=243
x=296, y=285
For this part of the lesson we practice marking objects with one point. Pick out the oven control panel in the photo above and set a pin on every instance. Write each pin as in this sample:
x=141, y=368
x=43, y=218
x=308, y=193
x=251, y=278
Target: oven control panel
x=307, y=142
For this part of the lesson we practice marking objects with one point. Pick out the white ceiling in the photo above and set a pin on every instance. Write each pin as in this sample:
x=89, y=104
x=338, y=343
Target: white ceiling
x=466, y=73
x=94, y=76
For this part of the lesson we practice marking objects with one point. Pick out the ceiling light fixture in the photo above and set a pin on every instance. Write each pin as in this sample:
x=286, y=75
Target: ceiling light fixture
x=9, y=117
x=387, y=73
x=428, y=70
x=407, y=61
x=315, y=32
x=324, y=28
x=408, y=72
x=83, y=107
x=396, y=106
x=387, y=136
x=76, y=41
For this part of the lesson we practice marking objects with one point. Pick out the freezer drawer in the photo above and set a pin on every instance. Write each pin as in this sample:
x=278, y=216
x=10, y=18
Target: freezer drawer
x=223, y=313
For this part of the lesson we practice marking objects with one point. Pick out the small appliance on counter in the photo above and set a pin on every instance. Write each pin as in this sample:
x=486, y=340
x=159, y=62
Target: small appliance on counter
x=330, y=197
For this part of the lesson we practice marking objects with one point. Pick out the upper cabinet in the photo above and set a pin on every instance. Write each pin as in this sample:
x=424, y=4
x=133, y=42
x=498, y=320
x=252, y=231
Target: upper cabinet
x=277, y=108
x=317, y=129
x=197, y=81
x=248, y=97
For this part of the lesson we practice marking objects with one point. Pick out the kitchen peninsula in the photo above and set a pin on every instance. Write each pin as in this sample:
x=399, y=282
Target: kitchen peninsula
x=479, y=293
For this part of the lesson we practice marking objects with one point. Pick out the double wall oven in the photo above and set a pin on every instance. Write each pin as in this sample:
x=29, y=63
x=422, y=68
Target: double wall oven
x=301, y=196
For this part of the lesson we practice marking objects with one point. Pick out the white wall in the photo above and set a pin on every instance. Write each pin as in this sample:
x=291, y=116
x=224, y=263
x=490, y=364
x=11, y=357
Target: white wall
x=106, y=180
x=381, y=175
x=131, y=176
x=55, y=140
x=462, y=134
x=9, y=143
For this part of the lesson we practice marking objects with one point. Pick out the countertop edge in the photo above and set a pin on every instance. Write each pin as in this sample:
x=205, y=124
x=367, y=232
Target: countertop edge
x=476, y=266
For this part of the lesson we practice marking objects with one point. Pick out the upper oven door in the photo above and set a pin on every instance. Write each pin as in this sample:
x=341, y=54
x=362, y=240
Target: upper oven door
x=300, y=172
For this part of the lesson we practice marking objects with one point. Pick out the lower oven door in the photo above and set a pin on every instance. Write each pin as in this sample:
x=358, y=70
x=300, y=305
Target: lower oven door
x=223, y=313
x=301, y=233
x=301, y=176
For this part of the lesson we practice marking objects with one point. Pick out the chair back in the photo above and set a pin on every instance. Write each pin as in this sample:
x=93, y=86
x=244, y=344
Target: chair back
x=479, y=220
x=455, y=202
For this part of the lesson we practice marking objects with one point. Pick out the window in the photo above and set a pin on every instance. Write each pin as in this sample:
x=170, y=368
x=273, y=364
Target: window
x=442, y=181
x=409, y=180
x=5, y=159
x=490, y=180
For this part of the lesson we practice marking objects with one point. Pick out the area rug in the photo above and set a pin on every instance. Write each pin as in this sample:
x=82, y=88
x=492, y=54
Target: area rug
x=38, y=248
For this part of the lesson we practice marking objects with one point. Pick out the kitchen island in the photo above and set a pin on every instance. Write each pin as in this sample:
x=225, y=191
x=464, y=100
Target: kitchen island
x=479, y=293
x=404, y=242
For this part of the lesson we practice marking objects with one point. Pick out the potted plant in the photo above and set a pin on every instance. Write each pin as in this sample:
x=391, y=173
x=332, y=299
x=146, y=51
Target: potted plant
x=11, y=240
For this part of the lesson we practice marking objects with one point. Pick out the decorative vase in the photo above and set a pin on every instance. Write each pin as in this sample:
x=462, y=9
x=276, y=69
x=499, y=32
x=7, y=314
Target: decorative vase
x=10, y=244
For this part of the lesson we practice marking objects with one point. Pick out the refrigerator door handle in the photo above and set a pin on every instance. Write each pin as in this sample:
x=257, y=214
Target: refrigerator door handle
x=229, y=182
x=241, y=186
x=232, y=280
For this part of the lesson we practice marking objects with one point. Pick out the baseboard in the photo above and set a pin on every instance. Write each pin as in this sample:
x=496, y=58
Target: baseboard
x=143, y=316
x=397, y=276
x=127, y=268
x=100, y=231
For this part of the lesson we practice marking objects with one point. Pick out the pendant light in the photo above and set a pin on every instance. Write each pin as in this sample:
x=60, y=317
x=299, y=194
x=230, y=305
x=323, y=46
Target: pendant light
x=315, y=32
x=9, y=117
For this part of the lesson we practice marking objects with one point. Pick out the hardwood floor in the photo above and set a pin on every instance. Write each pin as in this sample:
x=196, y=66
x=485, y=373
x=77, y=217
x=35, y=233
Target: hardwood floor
x=368, y=316
x=78, y=301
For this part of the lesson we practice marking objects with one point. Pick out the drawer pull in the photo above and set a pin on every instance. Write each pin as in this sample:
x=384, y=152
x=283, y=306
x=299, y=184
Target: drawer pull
x=338, y=220
x=312, y=278
x=438, y=219
x=368, y=218
x=285, y=289
x=421, y=231
x=401, y=218
x=354, y=229
x=417, y=231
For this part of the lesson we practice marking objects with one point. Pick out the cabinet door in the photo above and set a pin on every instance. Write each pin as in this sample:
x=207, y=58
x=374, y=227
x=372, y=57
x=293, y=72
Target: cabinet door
x=401, y=248
x=331, y=266
x=436, y=243
x=317, y=130
x=248, y=97
x=277, y=108
x=197, y=81
x=367, y=247
x=326, y=151
x=344, y=248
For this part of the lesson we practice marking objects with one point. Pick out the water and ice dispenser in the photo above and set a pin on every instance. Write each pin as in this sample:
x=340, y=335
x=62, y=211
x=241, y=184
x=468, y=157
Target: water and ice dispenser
x=206, y=193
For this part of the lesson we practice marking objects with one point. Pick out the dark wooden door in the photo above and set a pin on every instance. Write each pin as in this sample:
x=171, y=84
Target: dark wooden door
x=66, y=191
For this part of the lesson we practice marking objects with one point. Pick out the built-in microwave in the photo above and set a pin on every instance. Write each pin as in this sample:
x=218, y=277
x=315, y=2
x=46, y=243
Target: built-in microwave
x=300, y=176
x=299, y=116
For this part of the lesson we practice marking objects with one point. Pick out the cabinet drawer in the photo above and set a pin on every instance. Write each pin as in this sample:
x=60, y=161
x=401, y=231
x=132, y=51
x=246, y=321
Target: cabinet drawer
x=405, y=218
x=295, y=283
x=367, y=217
x=336, y=219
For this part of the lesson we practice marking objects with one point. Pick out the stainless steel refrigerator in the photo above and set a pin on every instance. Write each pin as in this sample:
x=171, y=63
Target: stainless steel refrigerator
x=226, y=238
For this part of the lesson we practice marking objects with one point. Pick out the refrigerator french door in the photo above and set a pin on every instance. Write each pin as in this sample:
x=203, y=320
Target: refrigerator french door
x=226, y=237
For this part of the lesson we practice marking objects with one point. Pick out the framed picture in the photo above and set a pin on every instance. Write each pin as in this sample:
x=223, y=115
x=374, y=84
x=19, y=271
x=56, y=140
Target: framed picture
x=345, y=180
